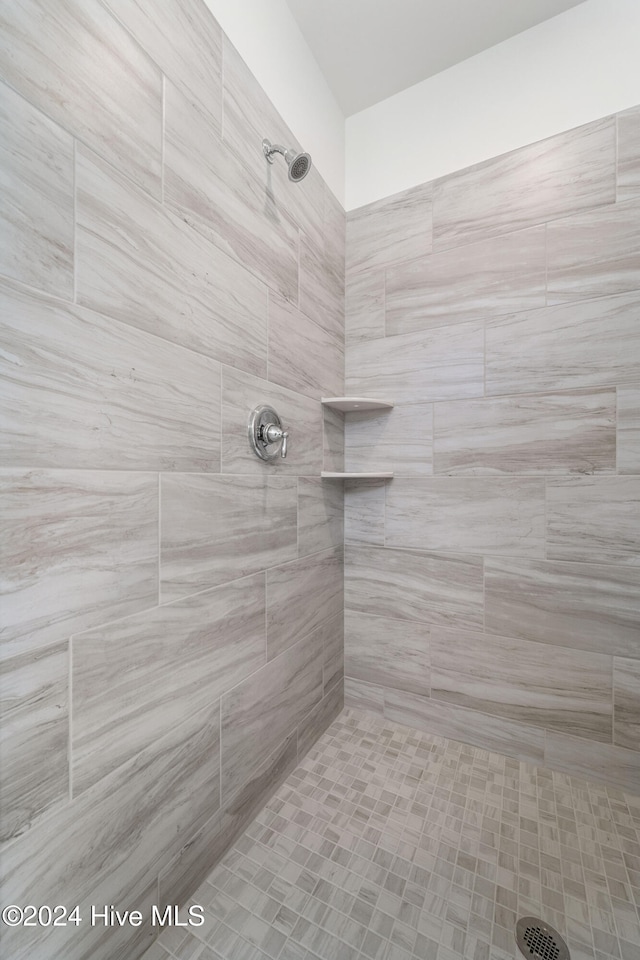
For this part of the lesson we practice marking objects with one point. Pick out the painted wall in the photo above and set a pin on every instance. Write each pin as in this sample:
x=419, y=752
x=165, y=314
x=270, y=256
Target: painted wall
x=492, y=588
x=172, y=609
x=576, y=67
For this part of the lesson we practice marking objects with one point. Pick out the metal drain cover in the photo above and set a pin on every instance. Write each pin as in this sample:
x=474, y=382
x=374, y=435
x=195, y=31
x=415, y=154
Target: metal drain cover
x=537, y=939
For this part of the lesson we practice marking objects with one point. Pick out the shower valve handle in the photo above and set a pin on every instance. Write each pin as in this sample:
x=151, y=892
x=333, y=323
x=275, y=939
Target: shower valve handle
x=272, y=433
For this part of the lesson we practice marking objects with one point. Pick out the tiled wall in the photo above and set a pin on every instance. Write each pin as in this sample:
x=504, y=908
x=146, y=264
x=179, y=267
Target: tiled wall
x=172, y=609
x=493, y=587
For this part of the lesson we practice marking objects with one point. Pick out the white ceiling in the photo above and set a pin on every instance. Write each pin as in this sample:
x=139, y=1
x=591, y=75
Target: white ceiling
x=369, y=50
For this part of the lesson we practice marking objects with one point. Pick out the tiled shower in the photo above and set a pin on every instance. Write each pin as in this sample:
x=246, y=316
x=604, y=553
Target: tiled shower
x=174, y=609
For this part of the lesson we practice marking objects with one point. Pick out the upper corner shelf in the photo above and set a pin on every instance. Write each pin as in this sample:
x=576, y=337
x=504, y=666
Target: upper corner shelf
x=348, y=404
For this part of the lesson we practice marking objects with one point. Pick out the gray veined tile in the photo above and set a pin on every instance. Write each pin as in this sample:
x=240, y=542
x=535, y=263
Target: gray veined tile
x=36, y=213
x=629, y=429
x=335, y=233
x=139, y=263
x=217, y=529
x=495, y=276
x=80, y=549
x=588, y=606
x=594, y=519
x=475, y=515
x=364, y=305
x=319, y=718
x=84, y=391
x=121, y=119
x=364, y=511
x=564, y=174
x=136, y=679
x=320, y=514
x=321, y=288
x=628, y=153
x=331, y=635
x=359, y=695
x=593, y=761
x=332, y=440
x=303, y=356
x=626, y=702
x=389, y=653
x=390, y=231
x=536, y=434
x=398, y=440
x=34, y=740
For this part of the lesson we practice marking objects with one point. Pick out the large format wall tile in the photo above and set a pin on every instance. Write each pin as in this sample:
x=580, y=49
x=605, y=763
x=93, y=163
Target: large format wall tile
x=439, y=364
x=34, y=710
x=320, y=514
x=552, y=178
x=137, y=678
x=409, y=585
x=319, y=718
x=589, y=606
x=475, y=515
x=63, y=66
x=364, y=511
x=629, y=153
x=593, y=343
x=593, y=761
x=331, y=635
x=595, y=519
x=390, y=231
x=332, y=440
x=556, y=688
x=626, y=702
x=140, y=264
x=363, y=696
x=217, y=529
x=629, y=429
x=84, y=391
x=364, y=305
x=293, y=341
x=495, y=276
x=399, y=440
x=392, y=653
x=80, y=548
x=36, y=215
x=543, y=434
x=321, y=289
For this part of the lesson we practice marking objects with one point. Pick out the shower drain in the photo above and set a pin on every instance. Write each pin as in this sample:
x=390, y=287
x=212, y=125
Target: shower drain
x=538, y=939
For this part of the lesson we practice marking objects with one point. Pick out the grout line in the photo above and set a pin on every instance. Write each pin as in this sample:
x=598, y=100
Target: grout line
x=75, y=221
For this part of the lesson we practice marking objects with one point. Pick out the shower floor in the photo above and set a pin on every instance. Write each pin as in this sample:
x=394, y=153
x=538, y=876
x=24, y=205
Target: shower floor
x=391, y=844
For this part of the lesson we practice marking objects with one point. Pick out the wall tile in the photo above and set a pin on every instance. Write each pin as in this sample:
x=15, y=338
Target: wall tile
x=321, y=289
x=300, y=596
x=552, y=178
x=364, y=305
x=137, y=678
x=626, y=702
x=439, y=364
x=333, y=440
x=629, y=429
x=84, y=391
x=629, y=153
x=334, y=234
x=122, y=119
x=293, y=340
x=319, y=718
x=217, y=529
x=392, y=653
x=474, y=515
x=588, y=344
x=363, y=696
x=320, y=514
x=588, y=606
x=364, y=511
x=80, y=548
x=411, y=585
x=513, y=679
x=495, y=276
x=390, y=231
x=331, y=635
x=399, y=440
x=268, y=774
x=140, y=264
x=593, y=761
x=542, y=434
x=36, y=215
x=35, y=734
x=594, y=519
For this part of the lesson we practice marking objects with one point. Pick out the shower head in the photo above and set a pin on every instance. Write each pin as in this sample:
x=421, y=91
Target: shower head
x=299, y=163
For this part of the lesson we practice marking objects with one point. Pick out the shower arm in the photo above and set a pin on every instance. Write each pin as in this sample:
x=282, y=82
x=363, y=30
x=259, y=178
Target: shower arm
x=271, y=148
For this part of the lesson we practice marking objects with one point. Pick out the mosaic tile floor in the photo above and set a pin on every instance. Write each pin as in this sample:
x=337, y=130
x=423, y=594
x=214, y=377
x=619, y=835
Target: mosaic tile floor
x=391, y=844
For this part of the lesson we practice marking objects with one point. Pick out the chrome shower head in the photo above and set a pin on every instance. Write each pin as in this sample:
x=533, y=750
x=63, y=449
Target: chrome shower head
x=299, y=164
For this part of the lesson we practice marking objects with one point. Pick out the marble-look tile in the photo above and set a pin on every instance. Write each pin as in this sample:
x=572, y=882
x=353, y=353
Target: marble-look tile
x=399, y=440
x=552, y=178
x=302, y=356
x=628, y=153
x=537, y=434
x=335, y=233
x=442, y=364
x=80, y=548
x=363, y=696
x=593, y=761
x=320, y=514
x=494, y=276
x=120, y=119
x=138, y=263
x=513, y=679
x=261, y=711
x=137, y=678
x=392, y=653
x=301, y=595
x=504, y=736
x=332, y=440
x=390, y=231
x=589, y=606
x=411, y=585
x=264, y=781
x=319, y=718
x=111, y=843
x=84, y=391
x=331, y=635
x=629, y=429
x=595, y=519
x=591, y=343
x=211, y=189
x=216, y=529
x=364, y=511
x=364, y=305
x=470, y=515
x=321, y=289
x=302, y=416
x=626, y=702
x=36, y=216
x=35, y=733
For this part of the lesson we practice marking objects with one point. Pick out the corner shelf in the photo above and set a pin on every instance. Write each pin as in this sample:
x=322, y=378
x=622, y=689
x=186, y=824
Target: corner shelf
x=349, y=404
x=328, y=475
